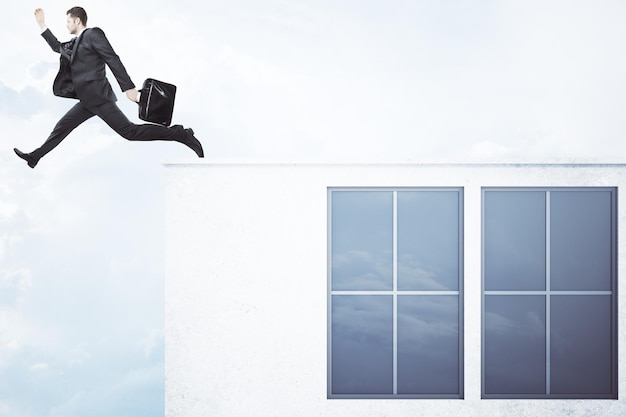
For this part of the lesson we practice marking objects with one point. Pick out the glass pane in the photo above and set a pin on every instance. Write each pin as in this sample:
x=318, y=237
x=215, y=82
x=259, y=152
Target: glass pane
x=428, y=344
x=362, y=233
x=515, y=240
x=428, y=240
x=515, y=348
x=362, y=344
x=580, y=240
x=580, y=344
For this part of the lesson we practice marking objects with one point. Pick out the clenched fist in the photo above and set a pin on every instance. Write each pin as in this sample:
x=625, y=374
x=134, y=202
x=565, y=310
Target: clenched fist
x=40, y=17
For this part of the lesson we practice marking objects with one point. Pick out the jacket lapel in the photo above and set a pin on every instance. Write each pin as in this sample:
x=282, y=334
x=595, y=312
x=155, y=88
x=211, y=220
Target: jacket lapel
x=80, y=37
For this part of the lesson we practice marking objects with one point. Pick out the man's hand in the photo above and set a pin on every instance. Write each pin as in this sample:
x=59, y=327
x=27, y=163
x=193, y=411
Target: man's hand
x=132, y=94
x=41, y=18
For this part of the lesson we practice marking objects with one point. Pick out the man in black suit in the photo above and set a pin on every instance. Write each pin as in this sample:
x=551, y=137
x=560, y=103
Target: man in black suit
x=82, y=76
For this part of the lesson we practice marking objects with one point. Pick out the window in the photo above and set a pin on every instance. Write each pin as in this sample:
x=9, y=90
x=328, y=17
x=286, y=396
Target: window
x=549, y=293
x=395, y=293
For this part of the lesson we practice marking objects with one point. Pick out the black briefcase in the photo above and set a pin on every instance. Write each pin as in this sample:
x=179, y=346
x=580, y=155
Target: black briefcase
x=156, y=102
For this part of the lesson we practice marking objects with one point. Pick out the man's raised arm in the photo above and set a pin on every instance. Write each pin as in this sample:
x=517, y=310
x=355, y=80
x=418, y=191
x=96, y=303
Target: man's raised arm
x=54, y=43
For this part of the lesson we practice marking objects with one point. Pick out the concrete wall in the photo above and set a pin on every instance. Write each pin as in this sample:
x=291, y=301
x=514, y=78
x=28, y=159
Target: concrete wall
x=246, y=286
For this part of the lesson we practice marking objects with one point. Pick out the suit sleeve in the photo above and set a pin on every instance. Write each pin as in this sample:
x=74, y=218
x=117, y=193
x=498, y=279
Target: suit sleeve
x=52, y=41
x=105, y=50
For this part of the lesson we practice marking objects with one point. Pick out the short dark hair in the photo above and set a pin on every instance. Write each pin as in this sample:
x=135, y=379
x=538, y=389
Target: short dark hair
x=79, y=13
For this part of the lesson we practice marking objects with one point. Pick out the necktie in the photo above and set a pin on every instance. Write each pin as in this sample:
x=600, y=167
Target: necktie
x=67, y=48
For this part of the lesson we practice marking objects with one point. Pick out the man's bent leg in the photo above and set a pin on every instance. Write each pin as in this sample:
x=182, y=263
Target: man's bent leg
x=113, y=116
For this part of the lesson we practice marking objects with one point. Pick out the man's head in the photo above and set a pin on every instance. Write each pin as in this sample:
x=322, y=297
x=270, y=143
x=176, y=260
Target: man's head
x=76, y=20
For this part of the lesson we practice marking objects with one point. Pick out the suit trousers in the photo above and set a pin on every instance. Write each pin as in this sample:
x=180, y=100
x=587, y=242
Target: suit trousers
x=113, y=116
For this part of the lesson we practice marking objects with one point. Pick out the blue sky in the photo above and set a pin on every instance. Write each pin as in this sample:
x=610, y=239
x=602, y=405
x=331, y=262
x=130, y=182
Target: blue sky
x=81, y=236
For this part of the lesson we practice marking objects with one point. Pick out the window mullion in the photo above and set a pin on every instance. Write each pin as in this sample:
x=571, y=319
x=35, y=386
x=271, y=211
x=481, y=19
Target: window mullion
x=548, y=289
x=395, y=292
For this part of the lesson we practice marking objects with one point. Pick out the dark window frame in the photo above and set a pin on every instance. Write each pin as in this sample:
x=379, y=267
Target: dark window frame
x=396, y=293
x=613, y=394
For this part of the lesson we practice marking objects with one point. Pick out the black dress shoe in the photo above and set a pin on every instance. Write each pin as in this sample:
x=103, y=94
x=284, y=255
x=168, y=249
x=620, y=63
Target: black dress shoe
x=32, y=162
x=193, y=143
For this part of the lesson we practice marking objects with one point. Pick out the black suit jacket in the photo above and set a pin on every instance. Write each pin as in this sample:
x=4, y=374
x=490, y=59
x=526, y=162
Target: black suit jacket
x=82, y=73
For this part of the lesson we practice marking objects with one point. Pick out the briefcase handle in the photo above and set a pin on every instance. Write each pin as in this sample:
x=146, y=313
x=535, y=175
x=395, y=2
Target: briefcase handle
x=155, y=87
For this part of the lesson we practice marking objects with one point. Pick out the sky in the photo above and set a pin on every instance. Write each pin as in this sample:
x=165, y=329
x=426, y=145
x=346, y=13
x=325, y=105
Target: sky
x=81, y=235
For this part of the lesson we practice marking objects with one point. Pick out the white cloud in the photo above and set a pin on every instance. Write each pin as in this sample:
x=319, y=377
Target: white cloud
x=5, y=410
x=152, y=342
x=38, y=367
x=18, y=280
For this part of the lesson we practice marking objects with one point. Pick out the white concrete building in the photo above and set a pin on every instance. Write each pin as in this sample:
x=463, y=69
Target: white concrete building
x=394, y=289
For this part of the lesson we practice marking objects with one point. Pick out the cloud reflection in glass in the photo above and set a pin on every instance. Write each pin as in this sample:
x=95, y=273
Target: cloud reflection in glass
x=393, y=336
